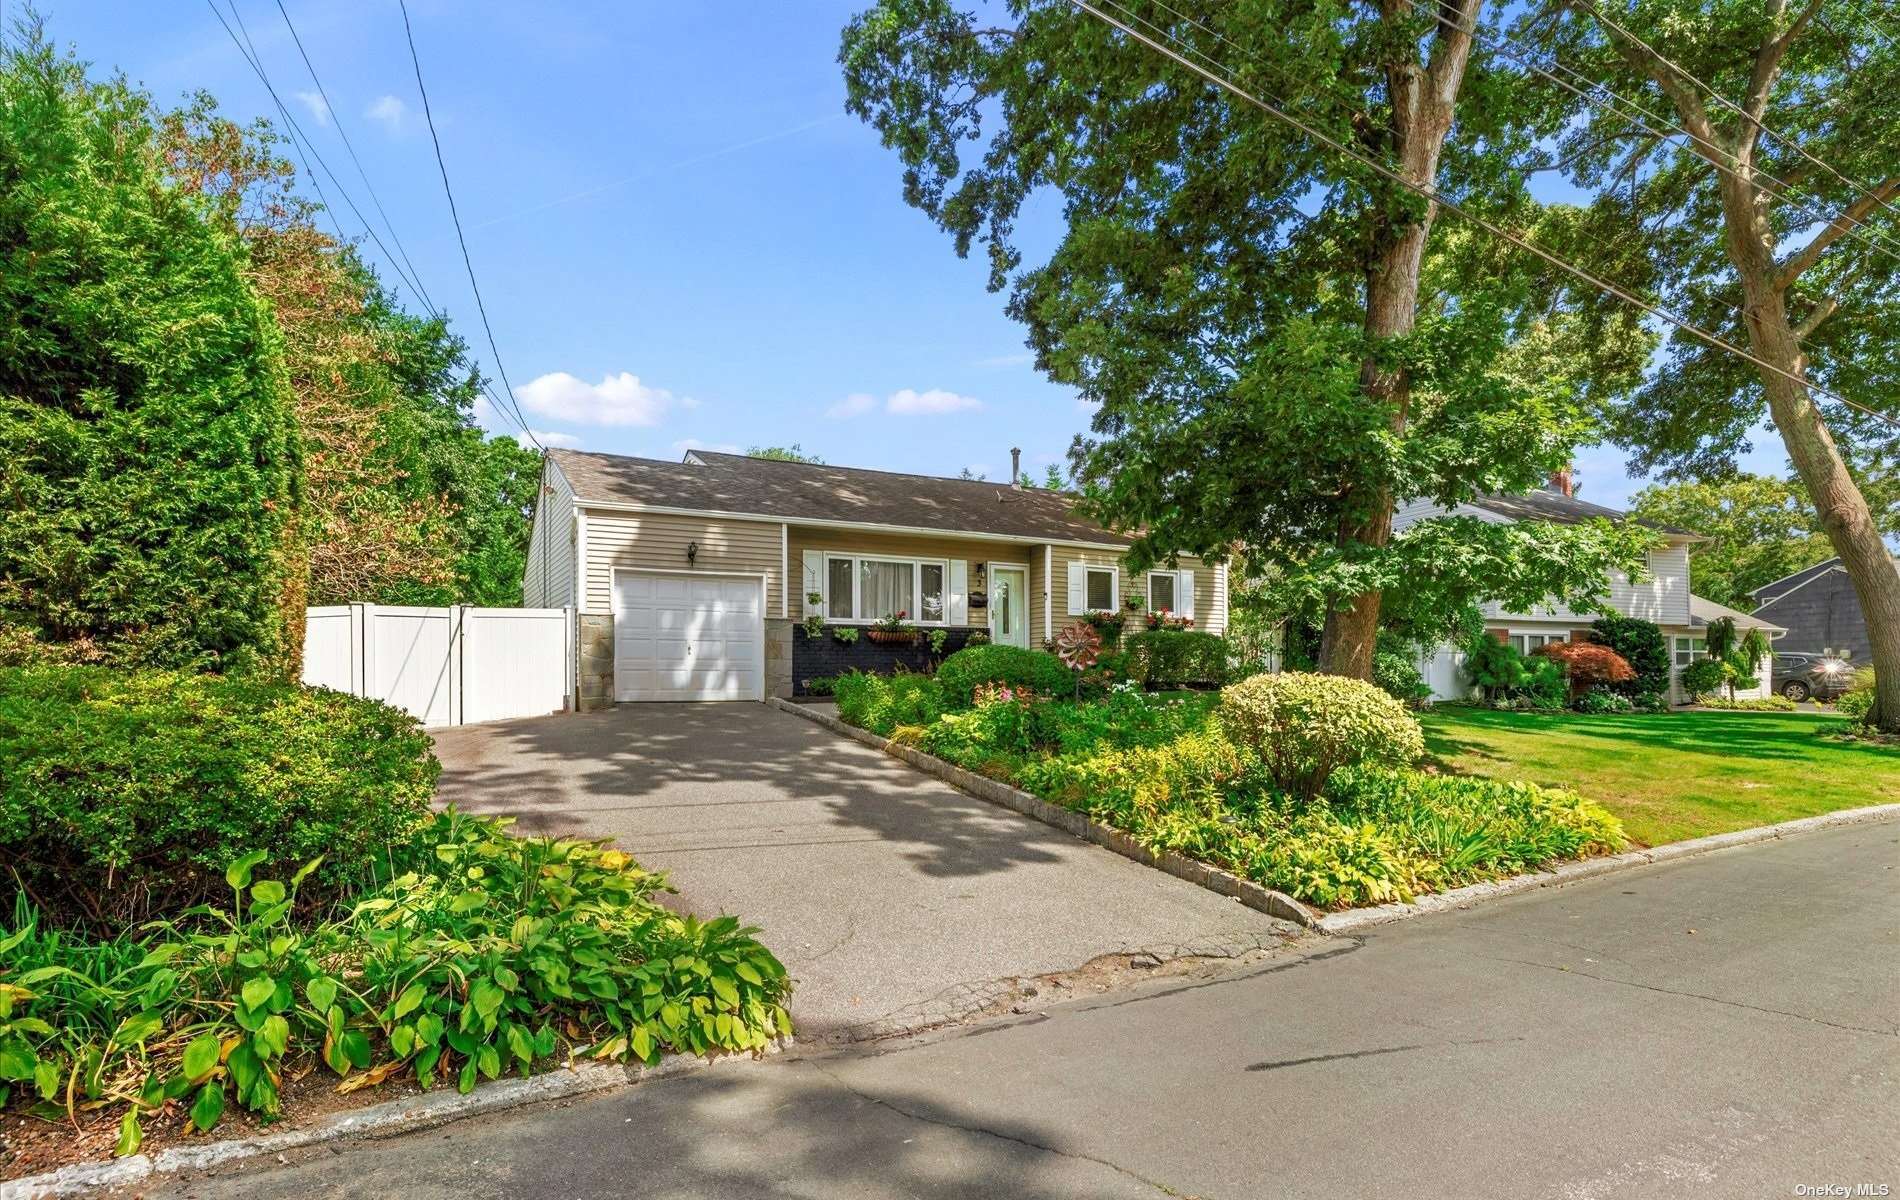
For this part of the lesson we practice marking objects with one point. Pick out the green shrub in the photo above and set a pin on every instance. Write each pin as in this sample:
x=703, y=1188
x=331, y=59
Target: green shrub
x=1397, y=675
x=128, y=792
x=1037, y=670
x=1176, y=658
x=149, y=459
x=1643, y=647
x=482, y=953
x=880, y=703
x=1494, y=666
x=821, y=685
x=1601, y=700
x=1303, y=727
x=1451, y=830
x=1704, y=677
x=1750, y=704
x=1858, y=701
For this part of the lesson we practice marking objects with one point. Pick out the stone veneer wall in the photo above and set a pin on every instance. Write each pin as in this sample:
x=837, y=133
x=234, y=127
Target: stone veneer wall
x=595, y=634
x=778, y=656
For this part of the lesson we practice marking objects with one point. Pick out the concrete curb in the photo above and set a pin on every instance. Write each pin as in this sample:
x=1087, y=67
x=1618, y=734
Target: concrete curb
x=392, y=1117
x=1355, y=920
x=1279, y=904
x=1249, y=893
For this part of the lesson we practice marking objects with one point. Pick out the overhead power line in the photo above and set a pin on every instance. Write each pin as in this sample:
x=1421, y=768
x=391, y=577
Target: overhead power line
x=337, y=120
x=1431, y=192
x=461, y=238
x=1853, y=229
x=257, y=66
x=302, y=143
x=1725, y=102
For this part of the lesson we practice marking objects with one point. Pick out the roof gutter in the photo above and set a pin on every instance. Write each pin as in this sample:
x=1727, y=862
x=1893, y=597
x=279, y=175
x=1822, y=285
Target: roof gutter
x=866, y=526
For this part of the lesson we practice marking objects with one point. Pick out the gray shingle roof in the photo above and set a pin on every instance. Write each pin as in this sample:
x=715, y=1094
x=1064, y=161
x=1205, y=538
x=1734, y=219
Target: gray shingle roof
x=1559, y=509
x=792, y=491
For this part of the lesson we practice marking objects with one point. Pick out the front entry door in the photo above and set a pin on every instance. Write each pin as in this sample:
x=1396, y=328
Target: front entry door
x=1009, y=606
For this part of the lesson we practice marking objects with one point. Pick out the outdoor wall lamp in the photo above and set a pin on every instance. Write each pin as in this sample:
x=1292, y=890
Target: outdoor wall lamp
x=692, y=552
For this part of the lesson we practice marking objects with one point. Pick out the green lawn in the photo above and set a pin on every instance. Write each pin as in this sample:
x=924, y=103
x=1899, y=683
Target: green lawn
x=1677, y=775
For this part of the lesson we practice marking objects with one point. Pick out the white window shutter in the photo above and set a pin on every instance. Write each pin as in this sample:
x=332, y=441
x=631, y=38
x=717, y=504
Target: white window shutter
x=814, y=572
x=1078, y=589
x=1184, y=593
x=957, y=604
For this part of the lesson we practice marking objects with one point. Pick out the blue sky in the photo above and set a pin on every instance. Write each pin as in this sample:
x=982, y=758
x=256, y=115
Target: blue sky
x=681, y=238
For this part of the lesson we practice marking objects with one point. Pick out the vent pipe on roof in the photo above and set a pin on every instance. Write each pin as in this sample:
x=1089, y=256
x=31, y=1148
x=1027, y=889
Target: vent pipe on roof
x=1015, y=467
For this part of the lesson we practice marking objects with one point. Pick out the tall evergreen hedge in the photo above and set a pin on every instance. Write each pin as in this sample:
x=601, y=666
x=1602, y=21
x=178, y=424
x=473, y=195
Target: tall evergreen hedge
x=148, y=457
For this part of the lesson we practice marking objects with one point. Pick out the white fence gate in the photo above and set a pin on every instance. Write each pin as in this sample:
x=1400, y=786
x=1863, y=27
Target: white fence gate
x=446, y=666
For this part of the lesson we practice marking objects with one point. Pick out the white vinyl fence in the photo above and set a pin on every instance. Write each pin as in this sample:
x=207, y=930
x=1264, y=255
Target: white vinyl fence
x=447, y=666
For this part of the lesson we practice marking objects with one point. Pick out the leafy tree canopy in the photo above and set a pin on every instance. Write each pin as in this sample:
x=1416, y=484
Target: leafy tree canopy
x=409, y=501
x=1213, y=288
x=791, y=453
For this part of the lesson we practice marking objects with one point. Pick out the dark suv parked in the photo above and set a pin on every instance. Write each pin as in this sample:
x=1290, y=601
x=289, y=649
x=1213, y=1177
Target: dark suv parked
x=1811, y=676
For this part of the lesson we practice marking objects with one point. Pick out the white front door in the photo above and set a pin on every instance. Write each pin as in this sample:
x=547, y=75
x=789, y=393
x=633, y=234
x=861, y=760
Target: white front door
x=686, y=637
x=1009, y=606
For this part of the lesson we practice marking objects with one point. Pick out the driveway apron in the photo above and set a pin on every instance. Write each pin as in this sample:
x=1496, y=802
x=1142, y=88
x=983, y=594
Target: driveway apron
x=895, y=900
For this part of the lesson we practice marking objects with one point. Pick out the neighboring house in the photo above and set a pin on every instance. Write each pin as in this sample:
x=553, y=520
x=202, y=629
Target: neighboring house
x=1662, y=596
x=1820, y=611
x=690, y=577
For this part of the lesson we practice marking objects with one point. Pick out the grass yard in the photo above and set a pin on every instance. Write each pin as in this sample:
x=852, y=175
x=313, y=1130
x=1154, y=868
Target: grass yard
x=1675, y=776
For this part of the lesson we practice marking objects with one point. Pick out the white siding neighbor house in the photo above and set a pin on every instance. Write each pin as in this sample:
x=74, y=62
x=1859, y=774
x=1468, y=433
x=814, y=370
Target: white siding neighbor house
x=1662, y=595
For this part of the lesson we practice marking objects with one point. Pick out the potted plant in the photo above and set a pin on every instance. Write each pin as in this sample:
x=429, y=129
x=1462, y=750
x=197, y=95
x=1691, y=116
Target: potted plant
x=891, y=631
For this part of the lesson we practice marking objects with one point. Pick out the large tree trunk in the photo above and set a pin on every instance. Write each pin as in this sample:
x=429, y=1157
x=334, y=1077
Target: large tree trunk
x=1844, y=513
x=1424, y=99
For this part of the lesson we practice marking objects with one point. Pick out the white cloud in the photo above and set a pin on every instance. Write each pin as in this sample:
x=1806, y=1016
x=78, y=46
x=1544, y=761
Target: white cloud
x=936, y=400
x=685, y=444
x=906, y=403
x=390, y=110
x=856, y=404
x=616, y=400
x=318, y=106
x=548, y=438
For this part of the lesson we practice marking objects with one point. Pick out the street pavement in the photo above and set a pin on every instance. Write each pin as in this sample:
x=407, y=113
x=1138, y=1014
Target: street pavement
x=1724, y=1026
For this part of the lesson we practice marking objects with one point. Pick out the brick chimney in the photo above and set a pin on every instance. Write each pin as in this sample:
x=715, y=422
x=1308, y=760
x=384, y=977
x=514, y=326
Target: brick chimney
x=1562, y=483
x=1016, y=467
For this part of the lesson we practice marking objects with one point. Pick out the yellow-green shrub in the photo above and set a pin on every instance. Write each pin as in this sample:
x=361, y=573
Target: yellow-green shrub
x=1303, y=727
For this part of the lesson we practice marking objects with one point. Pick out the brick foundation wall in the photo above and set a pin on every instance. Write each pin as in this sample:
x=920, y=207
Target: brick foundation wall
x=825, y=656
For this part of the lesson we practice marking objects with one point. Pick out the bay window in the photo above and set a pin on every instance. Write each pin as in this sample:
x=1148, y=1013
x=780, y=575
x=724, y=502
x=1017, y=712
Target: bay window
x=871, y=588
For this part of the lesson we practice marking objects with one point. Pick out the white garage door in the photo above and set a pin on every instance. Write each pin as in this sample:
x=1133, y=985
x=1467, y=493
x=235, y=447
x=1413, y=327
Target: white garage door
x=686, y=637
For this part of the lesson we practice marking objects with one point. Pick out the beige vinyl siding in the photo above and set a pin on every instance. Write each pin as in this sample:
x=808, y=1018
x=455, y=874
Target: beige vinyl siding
x=906, y=545
x=548, y=579
x=658, y=541
x=1210, y=611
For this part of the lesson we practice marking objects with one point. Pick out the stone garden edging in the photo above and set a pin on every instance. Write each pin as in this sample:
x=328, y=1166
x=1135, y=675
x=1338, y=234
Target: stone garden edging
x=1249, y=893
x=407, y=1115
x=1279, y=904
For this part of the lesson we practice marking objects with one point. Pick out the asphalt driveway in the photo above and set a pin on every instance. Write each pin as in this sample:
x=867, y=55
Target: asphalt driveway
x=895, y=900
